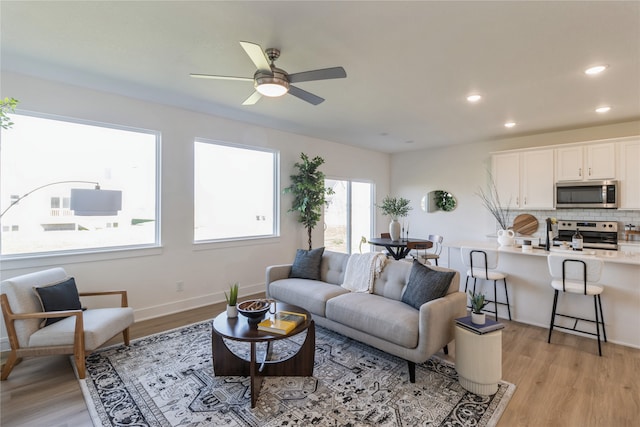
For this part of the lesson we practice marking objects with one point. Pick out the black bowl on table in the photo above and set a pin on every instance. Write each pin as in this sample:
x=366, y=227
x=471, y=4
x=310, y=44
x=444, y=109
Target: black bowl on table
x=254, y=310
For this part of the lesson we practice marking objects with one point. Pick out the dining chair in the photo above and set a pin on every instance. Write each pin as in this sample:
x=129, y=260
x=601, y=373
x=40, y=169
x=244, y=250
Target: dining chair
x=577, y=275
x=419, y=252
x=436, y=249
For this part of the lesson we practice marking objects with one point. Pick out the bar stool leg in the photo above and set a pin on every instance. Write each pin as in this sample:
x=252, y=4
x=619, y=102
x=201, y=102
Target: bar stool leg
x=506, y=293
x=553, y=314
x=595, y=306
x=495, y=298
x=604, y=331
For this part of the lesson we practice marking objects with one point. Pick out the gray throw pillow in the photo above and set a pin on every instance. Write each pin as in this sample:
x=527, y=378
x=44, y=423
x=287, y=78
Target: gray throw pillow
x=307, y=264
x=59, y=297
x=425, y=285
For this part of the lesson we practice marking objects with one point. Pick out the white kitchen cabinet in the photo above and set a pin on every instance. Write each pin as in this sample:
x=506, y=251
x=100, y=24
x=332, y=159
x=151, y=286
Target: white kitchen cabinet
x=524, y=180
x=629, y=177
x=586, y=162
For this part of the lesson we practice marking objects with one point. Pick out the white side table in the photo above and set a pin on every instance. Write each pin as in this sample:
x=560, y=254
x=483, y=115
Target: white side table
x=478, y=360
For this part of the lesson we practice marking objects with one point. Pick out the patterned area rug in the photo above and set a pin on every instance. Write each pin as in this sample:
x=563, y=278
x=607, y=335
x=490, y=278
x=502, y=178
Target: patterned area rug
x=167, y=380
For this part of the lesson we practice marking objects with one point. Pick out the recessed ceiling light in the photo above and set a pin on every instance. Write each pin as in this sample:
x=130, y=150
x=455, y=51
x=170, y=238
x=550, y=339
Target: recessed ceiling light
x=595, y=70
x=474, y=98
x=509, y=124
x=603, y=109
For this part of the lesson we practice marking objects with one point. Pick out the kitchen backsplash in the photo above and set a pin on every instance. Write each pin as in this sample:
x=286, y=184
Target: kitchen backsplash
x=622, y=217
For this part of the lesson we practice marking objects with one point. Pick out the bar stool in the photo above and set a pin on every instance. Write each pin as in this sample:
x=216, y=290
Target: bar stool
x=482, y=265
x=577, y=275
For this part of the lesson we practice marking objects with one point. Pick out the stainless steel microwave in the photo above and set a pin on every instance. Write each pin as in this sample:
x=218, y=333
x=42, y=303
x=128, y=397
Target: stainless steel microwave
x=587, y=194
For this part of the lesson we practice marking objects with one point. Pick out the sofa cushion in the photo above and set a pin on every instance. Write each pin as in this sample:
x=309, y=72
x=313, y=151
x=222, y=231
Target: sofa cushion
x=381, y=317
x=425, y=285
x=311, y=295
x=333, y=267
x=307, y=264
x=58, y=297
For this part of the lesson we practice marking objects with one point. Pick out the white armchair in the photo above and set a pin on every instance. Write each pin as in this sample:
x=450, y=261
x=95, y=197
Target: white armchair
x=79, y=332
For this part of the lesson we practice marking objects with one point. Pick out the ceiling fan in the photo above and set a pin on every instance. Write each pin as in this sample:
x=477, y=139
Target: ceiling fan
x=272, y=81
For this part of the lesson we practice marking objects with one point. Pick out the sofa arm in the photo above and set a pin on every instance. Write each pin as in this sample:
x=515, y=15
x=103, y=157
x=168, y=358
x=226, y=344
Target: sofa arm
x=437, y=320
x=276, y=272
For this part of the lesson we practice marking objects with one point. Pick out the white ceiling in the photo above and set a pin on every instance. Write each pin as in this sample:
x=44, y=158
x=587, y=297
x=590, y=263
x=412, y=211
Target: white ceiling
x=410, y=65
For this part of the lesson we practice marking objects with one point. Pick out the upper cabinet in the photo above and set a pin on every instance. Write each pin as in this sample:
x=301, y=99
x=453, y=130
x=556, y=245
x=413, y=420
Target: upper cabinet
x=524, y=180
x=629, y=175
x=586, y=162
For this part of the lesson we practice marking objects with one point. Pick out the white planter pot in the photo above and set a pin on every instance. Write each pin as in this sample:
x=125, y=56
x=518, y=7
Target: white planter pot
x=478, y=319
x=394, y=229
x=232, y=311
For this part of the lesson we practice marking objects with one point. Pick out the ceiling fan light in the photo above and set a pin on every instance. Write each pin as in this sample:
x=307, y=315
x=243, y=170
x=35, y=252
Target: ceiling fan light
x=273, y=89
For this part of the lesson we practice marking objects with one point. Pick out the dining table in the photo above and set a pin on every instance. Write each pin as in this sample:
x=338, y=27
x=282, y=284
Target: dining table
x=400, y=248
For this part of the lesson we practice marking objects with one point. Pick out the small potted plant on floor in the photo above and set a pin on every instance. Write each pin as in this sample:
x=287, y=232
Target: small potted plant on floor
x=477, y=304
x=232, y=300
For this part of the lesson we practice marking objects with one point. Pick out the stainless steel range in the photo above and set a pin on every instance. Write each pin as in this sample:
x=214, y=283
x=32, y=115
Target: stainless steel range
x=595, y=234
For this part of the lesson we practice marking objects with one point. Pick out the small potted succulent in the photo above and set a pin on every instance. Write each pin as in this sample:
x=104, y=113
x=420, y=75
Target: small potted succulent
x=232, y=300
x=477, y=304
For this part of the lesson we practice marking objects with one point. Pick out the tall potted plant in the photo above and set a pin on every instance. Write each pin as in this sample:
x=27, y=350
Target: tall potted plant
x=309, y=192
x=395, y=207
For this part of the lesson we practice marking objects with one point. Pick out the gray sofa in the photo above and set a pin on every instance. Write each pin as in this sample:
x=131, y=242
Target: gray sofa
x=380, y=318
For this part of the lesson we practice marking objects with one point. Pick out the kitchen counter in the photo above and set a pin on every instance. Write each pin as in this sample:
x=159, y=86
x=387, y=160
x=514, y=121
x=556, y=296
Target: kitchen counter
x=531, y=295
x=621, y=257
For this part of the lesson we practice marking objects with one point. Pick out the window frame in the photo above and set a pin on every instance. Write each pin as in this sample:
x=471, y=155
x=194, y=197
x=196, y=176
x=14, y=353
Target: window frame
x=203, y=244
x=39, y=259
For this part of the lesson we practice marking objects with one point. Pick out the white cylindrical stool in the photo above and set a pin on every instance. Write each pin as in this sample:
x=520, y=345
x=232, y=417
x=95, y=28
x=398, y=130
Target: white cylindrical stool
x=478, y=360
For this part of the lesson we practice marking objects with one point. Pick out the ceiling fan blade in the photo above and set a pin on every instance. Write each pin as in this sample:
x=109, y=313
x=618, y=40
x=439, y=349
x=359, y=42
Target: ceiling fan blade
x=257, y=55
x=255, y=97
x=305, y=96
x=209, y=76
x=324, y=74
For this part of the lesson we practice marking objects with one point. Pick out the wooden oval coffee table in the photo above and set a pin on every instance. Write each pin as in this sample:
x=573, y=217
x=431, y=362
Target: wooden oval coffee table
x=226, y=363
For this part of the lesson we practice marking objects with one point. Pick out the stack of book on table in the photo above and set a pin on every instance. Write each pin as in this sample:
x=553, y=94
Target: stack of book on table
x=489, y=325
x=282, y=322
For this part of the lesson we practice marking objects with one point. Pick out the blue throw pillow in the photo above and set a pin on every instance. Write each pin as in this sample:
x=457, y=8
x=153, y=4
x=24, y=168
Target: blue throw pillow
x=307, y=264
x=59, y=297
x=426, y=284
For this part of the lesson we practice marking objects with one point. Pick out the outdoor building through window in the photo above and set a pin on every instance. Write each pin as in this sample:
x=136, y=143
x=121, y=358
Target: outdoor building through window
x=348, y=218
x=235, y=191
x=45, y=159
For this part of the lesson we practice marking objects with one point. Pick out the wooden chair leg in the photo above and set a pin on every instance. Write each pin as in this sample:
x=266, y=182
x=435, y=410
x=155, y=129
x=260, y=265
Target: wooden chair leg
x=125, y=336
x=12, y=361
x=80, y=363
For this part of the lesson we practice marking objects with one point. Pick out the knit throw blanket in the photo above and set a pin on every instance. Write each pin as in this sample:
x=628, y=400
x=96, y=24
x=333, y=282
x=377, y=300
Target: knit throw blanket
x=362, y=269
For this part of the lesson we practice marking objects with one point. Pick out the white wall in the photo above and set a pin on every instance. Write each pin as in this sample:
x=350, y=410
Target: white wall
x=208, y=270
x=462, y=170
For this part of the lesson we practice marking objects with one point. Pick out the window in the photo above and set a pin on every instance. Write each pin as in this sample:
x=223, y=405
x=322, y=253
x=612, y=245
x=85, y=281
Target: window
x=348, y=218
x=40, y=153
x=235, y=191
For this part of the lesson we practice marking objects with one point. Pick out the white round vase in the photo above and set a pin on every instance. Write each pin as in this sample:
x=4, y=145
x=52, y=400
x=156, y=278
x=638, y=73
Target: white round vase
x=394, y=229
x=506, y=238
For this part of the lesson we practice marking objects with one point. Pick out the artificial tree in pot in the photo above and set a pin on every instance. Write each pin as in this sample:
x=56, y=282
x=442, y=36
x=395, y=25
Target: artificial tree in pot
x=309, y=192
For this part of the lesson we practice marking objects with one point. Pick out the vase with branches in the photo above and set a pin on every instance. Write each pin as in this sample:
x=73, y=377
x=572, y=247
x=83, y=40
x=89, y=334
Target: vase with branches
x=491, y=201
x=395, y=207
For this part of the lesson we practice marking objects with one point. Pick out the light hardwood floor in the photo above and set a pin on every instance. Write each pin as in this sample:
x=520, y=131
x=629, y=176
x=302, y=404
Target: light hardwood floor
x=563, y=384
